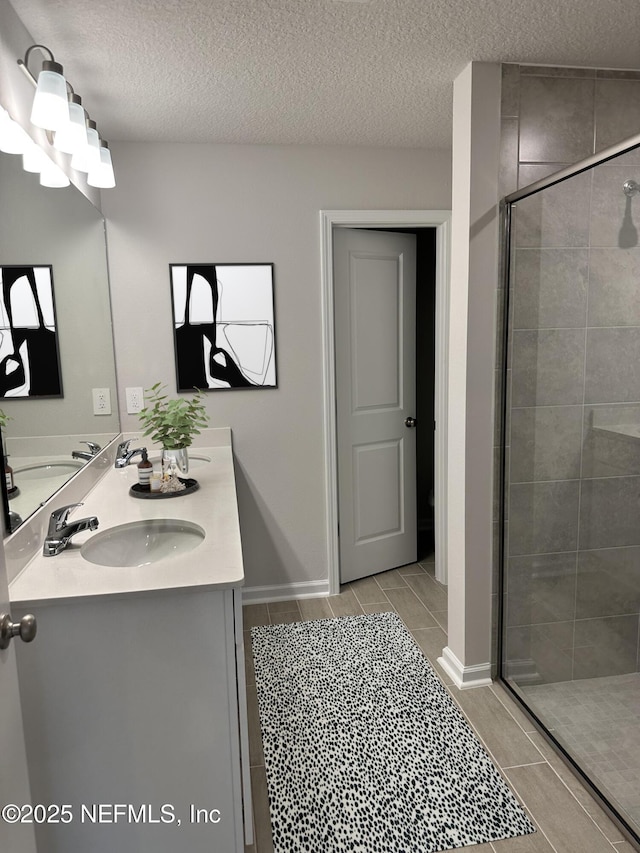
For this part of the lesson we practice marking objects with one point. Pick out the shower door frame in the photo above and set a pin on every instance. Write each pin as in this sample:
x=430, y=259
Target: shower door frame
x=506, y=206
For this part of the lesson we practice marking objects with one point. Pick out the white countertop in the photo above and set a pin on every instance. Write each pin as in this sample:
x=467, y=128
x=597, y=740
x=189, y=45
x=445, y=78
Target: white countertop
x=215, y=563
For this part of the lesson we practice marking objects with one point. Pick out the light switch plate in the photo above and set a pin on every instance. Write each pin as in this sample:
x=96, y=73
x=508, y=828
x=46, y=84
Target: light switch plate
x=135, y=400
x=101, y=401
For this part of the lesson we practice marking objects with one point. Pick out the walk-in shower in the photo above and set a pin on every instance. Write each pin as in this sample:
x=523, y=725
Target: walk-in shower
x=570, y=503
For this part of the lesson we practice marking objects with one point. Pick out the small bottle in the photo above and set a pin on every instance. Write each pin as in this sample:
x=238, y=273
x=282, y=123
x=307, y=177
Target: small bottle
x=156, y=482
x=8, y=474
x=145, y=469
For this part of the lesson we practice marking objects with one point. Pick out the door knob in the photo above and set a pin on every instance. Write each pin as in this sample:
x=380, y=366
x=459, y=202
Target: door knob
x=26, y=629
x=410, y=422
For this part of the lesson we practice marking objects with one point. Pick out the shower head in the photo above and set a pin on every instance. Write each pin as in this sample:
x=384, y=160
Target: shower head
x=631, y=188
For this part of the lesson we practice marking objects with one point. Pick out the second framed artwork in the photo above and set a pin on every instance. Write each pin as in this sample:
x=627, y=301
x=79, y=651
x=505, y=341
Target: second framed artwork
x=223, y=321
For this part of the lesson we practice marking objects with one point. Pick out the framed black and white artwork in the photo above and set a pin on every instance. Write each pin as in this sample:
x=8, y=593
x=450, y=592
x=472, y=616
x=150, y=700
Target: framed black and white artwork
x=29, y=354
x=223, y=321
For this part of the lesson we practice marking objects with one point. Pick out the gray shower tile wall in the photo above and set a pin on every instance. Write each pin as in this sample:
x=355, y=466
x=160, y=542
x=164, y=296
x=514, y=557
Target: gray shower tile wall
x=572, y=594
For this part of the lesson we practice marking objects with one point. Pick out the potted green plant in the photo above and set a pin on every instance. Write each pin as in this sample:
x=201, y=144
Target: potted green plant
x=173, y=423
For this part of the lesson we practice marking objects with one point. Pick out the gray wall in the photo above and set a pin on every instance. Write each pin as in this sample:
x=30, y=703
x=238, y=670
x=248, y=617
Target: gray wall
x=206, y=203
x=573, y=588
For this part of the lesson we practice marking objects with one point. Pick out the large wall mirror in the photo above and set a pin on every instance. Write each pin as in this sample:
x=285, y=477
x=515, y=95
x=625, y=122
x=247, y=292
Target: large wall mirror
x=54, y=305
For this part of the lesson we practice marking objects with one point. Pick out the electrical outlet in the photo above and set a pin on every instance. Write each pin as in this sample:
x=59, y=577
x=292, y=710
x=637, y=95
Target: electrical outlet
x=135, y=400
x=101, y=401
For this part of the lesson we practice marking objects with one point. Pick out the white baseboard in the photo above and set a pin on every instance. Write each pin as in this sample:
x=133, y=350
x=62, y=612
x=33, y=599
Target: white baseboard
x=465, y=677
x=284, y=592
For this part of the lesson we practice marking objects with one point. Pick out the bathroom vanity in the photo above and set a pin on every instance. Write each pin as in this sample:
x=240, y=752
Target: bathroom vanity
x=133, y=693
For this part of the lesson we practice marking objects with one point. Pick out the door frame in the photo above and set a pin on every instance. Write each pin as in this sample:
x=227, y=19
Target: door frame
x=441, y=221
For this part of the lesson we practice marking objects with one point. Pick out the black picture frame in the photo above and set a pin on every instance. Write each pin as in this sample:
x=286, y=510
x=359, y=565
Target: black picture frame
x=224, y=325
x=29, y=350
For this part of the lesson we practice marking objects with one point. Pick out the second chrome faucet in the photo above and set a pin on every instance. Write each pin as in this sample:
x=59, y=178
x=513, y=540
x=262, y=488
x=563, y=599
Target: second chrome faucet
x=61, y=530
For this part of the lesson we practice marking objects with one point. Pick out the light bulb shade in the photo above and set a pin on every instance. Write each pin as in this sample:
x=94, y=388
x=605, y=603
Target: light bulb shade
x=52, y=175
x=102, y=176
x=72, y=136
x=50, y=105
x=33, y=159
x=88, y=157
x=13, y=138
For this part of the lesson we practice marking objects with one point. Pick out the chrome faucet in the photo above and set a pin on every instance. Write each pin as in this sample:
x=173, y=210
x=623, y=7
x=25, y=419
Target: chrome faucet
x=124, y=455
x=93, y=450
x=60, y=532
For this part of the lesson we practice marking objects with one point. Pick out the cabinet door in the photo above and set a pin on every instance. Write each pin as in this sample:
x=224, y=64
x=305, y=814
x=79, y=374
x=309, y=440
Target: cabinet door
x=134, y=701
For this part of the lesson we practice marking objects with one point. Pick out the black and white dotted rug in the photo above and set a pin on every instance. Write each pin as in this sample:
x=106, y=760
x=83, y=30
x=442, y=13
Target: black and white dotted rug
x=364, y=749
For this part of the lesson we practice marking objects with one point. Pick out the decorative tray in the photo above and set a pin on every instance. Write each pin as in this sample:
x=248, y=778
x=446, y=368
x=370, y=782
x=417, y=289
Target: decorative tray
x=138, y=491
x=13, y=493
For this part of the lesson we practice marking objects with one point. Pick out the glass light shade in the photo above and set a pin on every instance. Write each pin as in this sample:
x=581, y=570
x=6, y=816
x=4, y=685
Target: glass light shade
x=102, y=176
x=33, y=159
x=88, y=157
x=52, y=175
x=50, y=105
x=73, y=135
x=13, y=138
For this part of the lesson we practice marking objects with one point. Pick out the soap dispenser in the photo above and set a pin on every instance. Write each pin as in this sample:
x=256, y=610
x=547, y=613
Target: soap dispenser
x=8, y=474
x=145, y=470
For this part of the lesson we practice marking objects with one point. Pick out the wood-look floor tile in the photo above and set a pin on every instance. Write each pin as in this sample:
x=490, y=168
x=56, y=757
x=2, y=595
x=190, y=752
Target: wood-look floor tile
x=287, y=616
x=256, y=755
x=578, y=790
x=345, y=604
x=315, y=608
x=429, y=568
x=533, y=843
x=512, y=706
x=410, y=609
x=432, y=594
x=379, y=608
x=411, y=569
x=442, y=618
x=368, y=591
x=560, y=816
x=249, y=669
x=254, y=615
x=431, y=641
x=283, y=606
x=390, y=579
x=261, y=815
x=503, y=737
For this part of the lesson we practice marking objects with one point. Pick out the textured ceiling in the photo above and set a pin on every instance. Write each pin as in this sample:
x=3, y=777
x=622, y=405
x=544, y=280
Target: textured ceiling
x=309, y=71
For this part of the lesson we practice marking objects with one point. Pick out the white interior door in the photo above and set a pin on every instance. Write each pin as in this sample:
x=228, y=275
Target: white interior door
x=14, y=779
x=374, y=306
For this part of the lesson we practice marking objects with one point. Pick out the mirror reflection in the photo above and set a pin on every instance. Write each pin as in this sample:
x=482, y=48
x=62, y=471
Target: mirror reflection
x=53, y=268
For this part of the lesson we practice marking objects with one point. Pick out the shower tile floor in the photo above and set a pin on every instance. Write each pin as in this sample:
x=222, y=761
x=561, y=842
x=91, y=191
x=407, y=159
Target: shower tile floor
x=566, y=816
x=596, y=719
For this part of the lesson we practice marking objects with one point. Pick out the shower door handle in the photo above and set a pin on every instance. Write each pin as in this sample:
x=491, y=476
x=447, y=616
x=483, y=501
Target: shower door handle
x=410, y=422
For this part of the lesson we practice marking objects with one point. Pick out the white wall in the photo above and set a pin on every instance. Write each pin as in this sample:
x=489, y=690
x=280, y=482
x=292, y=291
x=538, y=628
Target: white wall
x=474, y=276
x=214, y=203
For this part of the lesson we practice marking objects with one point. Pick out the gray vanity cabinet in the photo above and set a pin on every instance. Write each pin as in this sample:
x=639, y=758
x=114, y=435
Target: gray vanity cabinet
x=135, y=718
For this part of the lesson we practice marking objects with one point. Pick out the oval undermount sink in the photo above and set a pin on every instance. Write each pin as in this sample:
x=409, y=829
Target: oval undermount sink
x=46, y=470
x=140, y=543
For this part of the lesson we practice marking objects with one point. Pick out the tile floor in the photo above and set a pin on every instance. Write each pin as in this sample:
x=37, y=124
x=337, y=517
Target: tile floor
x=567, y=818
x=597, y=719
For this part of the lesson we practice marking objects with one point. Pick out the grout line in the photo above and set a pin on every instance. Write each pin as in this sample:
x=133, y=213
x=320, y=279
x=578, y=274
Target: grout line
x=530, y=764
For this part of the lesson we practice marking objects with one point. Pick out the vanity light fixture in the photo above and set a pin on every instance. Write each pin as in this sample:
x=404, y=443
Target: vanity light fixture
x=14, y=139
x=58, y=110
x=50, y=109
x=72, y=135
x=102, y=175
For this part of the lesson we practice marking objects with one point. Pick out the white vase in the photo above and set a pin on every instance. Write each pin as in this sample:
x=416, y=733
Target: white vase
x=181, y=457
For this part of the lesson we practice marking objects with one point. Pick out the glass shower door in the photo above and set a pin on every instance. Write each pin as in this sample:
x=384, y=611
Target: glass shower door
x=571, y=494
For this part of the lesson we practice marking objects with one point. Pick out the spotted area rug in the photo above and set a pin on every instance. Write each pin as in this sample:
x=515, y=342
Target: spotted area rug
x=364, y=749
